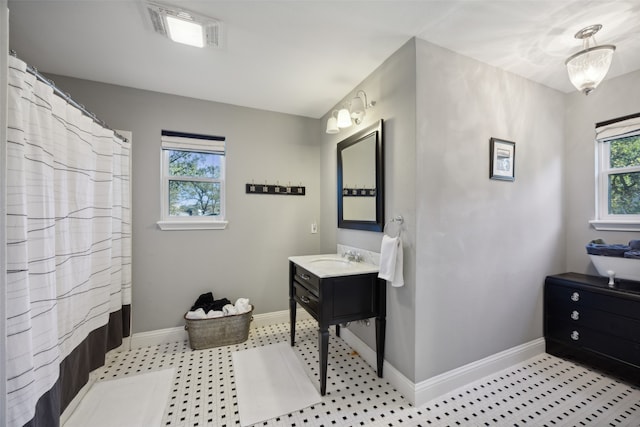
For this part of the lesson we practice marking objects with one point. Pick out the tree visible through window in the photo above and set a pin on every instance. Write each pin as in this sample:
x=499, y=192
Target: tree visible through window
x=193, y=177
x=618, y=174
x=194, y=183
x=624, y=176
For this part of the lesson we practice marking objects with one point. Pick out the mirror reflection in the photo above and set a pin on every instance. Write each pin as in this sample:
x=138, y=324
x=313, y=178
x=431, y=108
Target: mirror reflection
x=360, y=180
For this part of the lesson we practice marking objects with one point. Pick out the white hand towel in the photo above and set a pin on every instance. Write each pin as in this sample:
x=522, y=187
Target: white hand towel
x=398, y=277
x=391, y=261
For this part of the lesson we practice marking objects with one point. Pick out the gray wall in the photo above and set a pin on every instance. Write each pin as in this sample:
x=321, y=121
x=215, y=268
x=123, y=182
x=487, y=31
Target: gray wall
x=483, y=246
x=249, y=258
x=614, y=98
x=392, y=86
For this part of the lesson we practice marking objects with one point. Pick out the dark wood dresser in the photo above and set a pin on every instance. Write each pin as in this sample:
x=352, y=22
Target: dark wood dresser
x=590, y=322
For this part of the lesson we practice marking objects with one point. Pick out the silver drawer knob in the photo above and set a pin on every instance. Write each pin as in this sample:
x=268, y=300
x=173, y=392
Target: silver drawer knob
x=575, y=315
x=575, y=296
x=575, y=335
x=305, y=299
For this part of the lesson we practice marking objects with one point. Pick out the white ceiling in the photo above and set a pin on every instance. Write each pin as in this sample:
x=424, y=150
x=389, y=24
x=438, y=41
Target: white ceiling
x=302, y=56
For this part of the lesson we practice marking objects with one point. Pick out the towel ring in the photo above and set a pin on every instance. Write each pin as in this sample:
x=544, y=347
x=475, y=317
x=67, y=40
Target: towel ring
x=398, y=220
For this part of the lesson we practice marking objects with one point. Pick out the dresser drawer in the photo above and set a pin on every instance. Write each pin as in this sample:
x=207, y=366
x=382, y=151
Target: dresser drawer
x=309, y=280
x=306, y=299
x=580, y=316
x=621, y=349
x=575, y=298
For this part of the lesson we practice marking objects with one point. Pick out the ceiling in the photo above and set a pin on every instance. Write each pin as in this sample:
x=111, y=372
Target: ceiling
x=302, y=56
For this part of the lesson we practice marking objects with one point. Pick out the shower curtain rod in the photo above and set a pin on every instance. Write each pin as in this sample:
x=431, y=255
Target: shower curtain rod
x=66, y=96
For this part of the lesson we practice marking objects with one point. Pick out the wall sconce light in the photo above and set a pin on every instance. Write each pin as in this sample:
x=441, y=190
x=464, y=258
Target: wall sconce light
x=359, y=105
x=342, y=118
x=589, y=67
x=332, y=123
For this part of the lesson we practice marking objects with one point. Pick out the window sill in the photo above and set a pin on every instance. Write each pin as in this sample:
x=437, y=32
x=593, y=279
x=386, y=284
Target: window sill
x=175, y=225
x=615, y=225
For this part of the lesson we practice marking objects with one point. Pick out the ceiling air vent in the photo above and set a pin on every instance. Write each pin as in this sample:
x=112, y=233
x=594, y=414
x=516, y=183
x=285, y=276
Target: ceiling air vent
x=186, y=27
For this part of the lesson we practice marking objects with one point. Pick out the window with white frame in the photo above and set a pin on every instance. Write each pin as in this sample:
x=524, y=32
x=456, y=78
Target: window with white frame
x=193, y=178
x=618, y=174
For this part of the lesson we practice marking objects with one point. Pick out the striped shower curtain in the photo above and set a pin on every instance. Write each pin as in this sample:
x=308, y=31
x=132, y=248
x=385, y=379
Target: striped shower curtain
x=68, y=232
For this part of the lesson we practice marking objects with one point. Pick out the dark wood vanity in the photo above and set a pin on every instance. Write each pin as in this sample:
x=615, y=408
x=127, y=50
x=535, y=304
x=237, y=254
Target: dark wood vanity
x=587, y=320
x=334, y=300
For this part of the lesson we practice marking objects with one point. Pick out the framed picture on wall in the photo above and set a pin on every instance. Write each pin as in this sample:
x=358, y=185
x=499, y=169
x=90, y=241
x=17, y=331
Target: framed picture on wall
x=502, y=163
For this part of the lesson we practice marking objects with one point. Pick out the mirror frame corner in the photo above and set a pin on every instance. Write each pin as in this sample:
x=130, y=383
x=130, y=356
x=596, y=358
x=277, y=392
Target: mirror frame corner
x=378, y=224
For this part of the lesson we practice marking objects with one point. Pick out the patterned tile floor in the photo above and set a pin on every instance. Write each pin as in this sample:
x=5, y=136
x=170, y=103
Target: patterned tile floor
x=543, y=391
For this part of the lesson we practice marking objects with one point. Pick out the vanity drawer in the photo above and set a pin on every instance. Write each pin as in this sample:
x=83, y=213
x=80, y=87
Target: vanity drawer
x=575, y=297
x=306, y=299
x=617, y=326
x=583, y=337
x=309, y=280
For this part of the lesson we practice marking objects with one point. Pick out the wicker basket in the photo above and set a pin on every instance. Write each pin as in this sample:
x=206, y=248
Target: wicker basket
x=219, y=331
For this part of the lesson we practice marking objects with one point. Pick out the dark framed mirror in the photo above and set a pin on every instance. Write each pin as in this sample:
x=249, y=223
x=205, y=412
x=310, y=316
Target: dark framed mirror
x=361, y=180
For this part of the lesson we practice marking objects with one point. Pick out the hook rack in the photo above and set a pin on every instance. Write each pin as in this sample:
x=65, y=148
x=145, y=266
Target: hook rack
x=359, y=192
x=285, y=190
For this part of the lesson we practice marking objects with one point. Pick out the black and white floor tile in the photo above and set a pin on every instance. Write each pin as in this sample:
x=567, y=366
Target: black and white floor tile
x=543, y=391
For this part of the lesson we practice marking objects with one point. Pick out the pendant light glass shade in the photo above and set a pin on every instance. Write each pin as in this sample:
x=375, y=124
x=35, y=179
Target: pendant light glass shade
x=590, y=66
x=344, y=119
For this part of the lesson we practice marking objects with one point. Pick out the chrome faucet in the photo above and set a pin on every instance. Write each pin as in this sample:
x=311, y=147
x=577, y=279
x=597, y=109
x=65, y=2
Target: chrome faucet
x=352, y=256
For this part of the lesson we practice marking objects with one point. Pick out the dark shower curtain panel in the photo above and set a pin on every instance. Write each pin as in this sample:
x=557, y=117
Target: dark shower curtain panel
x=68, y=248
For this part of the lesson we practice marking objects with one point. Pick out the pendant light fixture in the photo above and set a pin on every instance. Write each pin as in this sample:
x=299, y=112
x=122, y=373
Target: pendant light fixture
x=589, y=67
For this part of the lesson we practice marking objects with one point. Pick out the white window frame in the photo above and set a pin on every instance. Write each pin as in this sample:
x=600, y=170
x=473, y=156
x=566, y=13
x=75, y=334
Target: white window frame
x=605, y=133
x=179, y=141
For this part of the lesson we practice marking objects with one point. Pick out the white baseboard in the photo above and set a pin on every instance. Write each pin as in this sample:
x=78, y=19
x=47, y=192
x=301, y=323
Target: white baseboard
x=276, y=317
x=451, y=380
x=424, y=391
x=168, y=335
x=159, y=336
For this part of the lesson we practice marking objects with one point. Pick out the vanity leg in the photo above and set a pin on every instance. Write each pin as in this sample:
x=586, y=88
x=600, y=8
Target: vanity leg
x=337, y=330
x=292, y=320
x=381, y=323
x=323, y=345
x=380, y=337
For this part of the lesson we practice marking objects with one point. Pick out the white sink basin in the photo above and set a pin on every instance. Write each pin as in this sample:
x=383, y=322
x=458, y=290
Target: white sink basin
x=620, y=268
x=333, y=265
x=332, y=262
